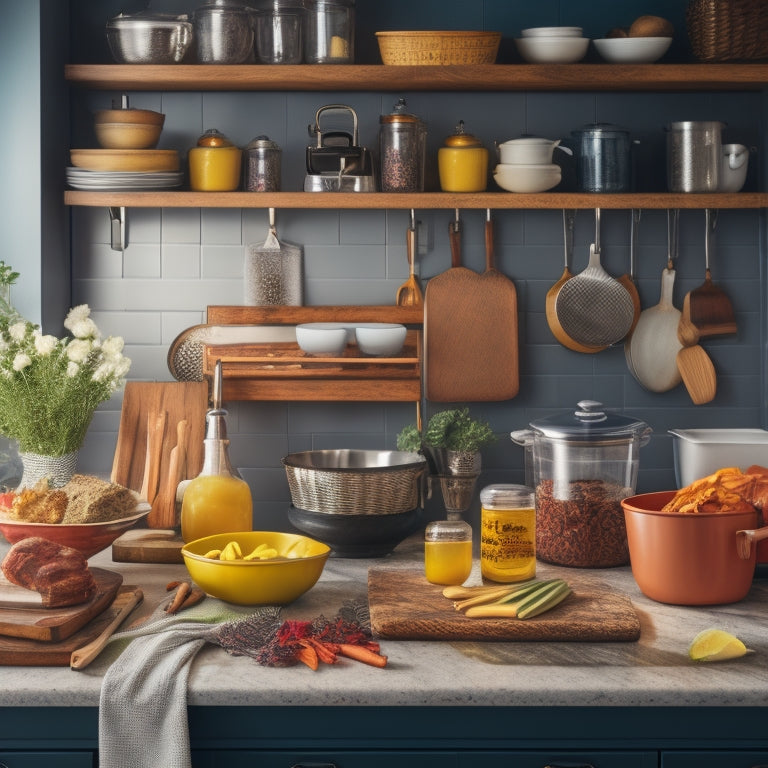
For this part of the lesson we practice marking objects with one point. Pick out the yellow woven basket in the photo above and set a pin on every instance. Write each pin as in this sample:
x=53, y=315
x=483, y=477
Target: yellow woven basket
x=438, y=48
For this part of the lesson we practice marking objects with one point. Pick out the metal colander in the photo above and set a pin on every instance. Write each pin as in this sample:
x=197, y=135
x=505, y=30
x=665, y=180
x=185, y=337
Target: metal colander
x=355, y=482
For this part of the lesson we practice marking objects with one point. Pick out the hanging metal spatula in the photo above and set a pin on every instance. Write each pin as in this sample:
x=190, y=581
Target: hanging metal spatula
x=593, y=308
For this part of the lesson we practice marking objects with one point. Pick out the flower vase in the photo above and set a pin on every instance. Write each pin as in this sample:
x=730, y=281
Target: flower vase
x=58, y=469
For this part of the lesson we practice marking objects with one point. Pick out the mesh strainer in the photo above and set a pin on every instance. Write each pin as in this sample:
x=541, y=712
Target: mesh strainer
x=592, y=307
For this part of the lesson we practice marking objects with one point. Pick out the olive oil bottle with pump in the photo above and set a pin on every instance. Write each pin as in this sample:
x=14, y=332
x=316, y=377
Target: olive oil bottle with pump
x=218, y=500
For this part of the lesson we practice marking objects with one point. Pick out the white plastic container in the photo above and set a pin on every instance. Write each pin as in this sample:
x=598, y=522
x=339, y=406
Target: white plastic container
x=700, y=452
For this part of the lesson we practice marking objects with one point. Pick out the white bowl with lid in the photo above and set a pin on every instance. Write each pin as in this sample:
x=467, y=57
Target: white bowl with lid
x=552, y=50
x=527, y=178
x=551, y=32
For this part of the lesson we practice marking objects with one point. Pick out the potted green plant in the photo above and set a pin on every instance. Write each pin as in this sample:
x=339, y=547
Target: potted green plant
x=451, y=441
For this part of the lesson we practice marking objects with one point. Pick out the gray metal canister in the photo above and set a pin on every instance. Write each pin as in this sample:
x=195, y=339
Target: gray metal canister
x=603, y=158
x=693, y=156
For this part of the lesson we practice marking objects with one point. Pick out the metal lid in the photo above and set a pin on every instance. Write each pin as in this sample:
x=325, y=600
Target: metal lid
x=213, y=138
x=146, y=19
x=448, y=530
x=399, y=115
x=262, y=142
x=601, y=129
x=590, y=422
x=507, y=496
x=462, y=139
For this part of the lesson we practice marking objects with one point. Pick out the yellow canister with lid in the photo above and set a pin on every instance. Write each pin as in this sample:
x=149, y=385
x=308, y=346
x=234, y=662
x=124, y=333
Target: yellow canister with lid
x=214, y=164
x=463, y=163
x=507, y=533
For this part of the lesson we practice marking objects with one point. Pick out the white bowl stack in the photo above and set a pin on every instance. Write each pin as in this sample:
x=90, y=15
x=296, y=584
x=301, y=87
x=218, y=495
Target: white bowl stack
x=526, y=165
x=552, y=45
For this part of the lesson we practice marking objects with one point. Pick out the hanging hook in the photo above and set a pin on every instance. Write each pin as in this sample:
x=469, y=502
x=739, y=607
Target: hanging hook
x=413, y=219
x=272, y=221
x=117, y=228
x=456, y=223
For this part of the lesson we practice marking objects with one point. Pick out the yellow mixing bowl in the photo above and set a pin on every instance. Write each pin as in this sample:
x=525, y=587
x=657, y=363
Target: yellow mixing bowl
x=278, y=581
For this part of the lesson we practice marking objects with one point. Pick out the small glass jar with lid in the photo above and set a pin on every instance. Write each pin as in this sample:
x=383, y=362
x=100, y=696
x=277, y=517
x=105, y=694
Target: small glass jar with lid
x=507, y=533
x=447, y=552
x=262, y=165
x=402, y=140
x=329, y=31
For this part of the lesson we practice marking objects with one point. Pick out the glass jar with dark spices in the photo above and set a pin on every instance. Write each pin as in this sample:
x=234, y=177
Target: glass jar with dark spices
x=402, y=141
x=262, y=165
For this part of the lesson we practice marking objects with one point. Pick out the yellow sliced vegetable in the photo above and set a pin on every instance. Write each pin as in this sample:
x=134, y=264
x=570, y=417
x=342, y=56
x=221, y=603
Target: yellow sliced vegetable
x=716, y=645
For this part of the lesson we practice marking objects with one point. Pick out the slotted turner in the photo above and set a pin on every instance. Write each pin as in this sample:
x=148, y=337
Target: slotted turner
x=593, y=308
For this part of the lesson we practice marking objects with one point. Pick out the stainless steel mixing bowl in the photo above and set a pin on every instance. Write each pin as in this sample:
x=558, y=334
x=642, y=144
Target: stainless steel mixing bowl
x=145, y=38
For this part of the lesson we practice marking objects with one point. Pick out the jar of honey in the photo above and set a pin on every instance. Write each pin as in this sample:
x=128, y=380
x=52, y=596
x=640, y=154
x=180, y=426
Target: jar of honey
x=462, y=163
x=447, y=552
x=214, y=164
x=507, y=533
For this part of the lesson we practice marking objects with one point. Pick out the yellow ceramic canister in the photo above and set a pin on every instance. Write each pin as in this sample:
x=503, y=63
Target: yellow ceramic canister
x=214, y=164
x=463, y=163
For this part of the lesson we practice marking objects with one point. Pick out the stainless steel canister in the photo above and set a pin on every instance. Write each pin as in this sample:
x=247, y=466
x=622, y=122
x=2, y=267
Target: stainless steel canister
x=693, y=156
x=603, y=158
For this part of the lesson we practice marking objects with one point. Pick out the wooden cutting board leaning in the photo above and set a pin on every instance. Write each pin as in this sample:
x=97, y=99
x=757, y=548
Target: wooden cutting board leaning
x=405, y=606
x=470, y=330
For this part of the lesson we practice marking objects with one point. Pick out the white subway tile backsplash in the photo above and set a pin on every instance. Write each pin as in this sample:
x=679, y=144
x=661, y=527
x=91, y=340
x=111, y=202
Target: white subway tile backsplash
x=181, y=261
x=142, y=261
x=224, y=262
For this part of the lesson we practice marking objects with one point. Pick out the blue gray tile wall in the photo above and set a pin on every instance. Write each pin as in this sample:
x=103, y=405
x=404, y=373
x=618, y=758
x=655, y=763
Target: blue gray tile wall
x=177, y=261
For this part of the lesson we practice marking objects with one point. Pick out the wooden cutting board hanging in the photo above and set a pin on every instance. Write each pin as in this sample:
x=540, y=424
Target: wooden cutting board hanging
x=470, y=330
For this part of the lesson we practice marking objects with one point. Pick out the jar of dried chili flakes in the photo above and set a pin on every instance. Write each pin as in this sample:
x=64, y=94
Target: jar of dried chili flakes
x=584, y=463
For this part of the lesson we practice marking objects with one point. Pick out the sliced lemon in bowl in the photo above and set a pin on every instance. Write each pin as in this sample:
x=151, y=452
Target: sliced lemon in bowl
x=716, y=645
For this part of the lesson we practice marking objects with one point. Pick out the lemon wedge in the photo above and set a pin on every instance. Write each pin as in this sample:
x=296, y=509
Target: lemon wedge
x=716, y=645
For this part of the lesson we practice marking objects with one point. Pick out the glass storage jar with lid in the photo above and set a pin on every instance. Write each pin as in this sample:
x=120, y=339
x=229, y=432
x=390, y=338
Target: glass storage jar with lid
x=584, y=463
x=402, y=141
x=280, y=32
x=329, y=31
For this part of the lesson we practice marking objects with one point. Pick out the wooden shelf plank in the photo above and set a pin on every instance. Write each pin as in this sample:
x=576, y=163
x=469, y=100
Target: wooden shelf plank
x=421, y=200
x=376, y=77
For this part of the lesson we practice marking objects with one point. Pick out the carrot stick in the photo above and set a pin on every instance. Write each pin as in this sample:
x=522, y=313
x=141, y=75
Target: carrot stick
x=307, y=655
x=181, y=595
x=360, y=653
x=325, y=652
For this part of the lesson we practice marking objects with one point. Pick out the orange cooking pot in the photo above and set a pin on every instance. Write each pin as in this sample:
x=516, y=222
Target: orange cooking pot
x=689, y=559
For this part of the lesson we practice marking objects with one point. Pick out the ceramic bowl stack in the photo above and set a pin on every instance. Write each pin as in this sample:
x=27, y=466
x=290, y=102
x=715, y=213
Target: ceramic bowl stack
x=526, y=165
x=552, y=45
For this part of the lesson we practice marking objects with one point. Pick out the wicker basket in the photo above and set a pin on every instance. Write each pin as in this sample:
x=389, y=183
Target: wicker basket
x=438, y=48
x=728, y=30
x=355, y=487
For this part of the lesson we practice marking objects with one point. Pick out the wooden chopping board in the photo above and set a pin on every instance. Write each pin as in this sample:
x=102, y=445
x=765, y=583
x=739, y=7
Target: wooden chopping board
x=405, y=606
x=470, y=331
x=57, y=624
x=22, y=652
x=145, y=545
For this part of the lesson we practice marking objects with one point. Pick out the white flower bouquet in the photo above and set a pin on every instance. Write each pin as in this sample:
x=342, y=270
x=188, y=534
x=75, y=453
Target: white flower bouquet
x=50, y=387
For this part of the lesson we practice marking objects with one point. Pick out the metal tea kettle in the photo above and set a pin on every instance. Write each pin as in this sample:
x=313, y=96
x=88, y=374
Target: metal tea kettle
x=336, y=163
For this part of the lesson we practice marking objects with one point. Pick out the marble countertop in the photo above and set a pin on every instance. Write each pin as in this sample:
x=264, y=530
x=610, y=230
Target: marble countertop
x=654, y=671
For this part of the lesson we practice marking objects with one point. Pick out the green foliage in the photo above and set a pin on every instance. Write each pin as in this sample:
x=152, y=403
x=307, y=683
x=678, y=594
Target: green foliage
x=49, y=387
x=453, y=429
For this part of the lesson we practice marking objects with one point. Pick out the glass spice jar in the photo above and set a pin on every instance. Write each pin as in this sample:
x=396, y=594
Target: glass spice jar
x=447, y=552
x=262, y=165
x=402, y=141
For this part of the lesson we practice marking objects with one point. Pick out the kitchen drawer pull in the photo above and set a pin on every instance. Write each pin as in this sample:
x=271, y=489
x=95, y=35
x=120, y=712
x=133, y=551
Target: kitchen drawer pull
x=314, y=765
x=569, y=765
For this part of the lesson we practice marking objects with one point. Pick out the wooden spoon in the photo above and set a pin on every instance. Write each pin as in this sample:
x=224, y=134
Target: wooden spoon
x=569, y=219
x=698, y=374
x=409, y=293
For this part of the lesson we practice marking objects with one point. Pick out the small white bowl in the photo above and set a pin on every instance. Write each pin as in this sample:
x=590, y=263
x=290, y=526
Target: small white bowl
x=529, y=150
x=551, y=32
x=380, y=339
x=632, y=50
x=527, y=178
x=322, y=339
x=552, y=50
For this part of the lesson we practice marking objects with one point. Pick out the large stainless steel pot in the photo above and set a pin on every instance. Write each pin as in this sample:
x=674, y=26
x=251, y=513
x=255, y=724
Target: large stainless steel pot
x=694, y=150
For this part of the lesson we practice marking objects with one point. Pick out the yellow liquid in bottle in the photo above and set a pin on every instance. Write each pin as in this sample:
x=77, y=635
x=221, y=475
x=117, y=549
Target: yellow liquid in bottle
x=508, y=544
x=215, y=504
x=447, y=562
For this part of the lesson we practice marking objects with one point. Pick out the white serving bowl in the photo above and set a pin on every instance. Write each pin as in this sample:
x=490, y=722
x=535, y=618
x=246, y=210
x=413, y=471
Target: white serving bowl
x=632, y=50
x=322, y=339
x=552, y=50
x=551, y=32
x=527, y=178
x=528, y=151
x=380, y=338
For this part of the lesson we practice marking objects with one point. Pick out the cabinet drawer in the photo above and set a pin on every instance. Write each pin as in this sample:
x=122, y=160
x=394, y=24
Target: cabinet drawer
x=323, y=759
x=540, y=759
x=730, y=758
x=46, y=759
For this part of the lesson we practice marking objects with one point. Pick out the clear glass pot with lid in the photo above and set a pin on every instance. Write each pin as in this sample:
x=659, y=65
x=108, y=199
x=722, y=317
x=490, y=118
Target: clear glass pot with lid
x=584, y=463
